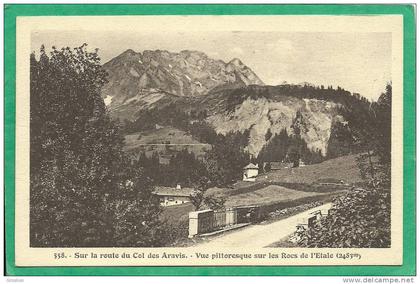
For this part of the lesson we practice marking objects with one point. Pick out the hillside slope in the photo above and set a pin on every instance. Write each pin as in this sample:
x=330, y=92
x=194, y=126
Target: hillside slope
x=231, y=95
x=165, y=141
x=342, y=168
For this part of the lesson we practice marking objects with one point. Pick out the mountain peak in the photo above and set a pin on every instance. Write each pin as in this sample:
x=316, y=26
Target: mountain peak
x=196, y=52
x=129, y=52
x=126, y=55
x=236, y=62
x=188, y=73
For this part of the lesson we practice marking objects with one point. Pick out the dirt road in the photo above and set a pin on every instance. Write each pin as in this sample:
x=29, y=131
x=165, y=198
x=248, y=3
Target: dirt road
x=261, y=235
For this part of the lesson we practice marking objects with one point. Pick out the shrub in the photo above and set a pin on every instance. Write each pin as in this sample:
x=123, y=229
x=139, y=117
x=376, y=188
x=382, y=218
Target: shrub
x=361, y=218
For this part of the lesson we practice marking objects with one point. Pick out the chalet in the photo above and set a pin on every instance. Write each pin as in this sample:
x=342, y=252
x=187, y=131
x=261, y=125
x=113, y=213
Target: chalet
x=169, y=196
x=250, y=172
x=301, y=163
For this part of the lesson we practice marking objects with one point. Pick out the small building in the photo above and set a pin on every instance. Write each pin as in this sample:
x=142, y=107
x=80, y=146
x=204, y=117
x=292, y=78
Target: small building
x=169, y=196
x=301, y=163
x=157, y=126
x=250, y=172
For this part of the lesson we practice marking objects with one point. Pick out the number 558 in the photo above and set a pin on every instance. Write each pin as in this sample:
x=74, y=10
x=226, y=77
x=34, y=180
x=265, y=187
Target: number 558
x=58, y=255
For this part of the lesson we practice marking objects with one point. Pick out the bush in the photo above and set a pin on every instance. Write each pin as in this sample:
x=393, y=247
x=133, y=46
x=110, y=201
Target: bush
x=361, y=218
x=215, y=202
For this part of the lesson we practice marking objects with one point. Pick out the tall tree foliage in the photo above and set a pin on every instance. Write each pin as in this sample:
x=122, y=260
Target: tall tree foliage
x=78, y=170
x=383, y=115
x=284, y=148
x=237, y=96
x=226, y=159
x=371, y=131
x=341, y=141
x=362, y=217
x=185, y=169
x=276, y=148
x=135, y=212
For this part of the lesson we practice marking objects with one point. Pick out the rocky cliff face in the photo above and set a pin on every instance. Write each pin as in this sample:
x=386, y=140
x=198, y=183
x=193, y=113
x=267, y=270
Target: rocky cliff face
x=188, y=73
x=260, y=115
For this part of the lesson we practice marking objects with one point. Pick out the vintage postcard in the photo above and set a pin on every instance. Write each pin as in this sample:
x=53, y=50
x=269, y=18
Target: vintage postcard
x=209, y=140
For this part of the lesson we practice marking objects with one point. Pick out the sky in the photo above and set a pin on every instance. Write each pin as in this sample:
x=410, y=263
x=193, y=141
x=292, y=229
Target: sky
x=357, y=62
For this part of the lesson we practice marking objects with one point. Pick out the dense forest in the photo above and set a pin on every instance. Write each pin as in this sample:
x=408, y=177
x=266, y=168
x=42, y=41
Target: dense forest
x=222, y=165
x=337, y=95
x=282, y=147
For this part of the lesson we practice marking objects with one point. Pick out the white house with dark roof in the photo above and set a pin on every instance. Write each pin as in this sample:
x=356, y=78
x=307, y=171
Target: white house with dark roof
x=250, y=172
x=169, y=196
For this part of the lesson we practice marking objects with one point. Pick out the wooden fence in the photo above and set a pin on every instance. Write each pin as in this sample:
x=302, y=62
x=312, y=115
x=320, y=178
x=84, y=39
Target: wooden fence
x=219, y=219
x=206, y=221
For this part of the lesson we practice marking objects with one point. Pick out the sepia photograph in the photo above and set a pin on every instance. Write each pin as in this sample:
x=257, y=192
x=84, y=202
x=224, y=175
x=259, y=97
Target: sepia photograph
x=185, y=138
x=210, y=140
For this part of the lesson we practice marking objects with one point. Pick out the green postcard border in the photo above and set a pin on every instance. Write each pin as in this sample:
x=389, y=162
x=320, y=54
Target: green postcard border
x=11, y=11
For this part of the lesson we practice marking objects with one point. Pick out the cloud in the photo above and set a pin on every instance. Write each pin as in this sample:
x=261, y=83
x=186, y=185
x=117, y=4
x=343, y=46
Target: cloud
x=214, y=54
x=237, y=50
x=281, y=45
